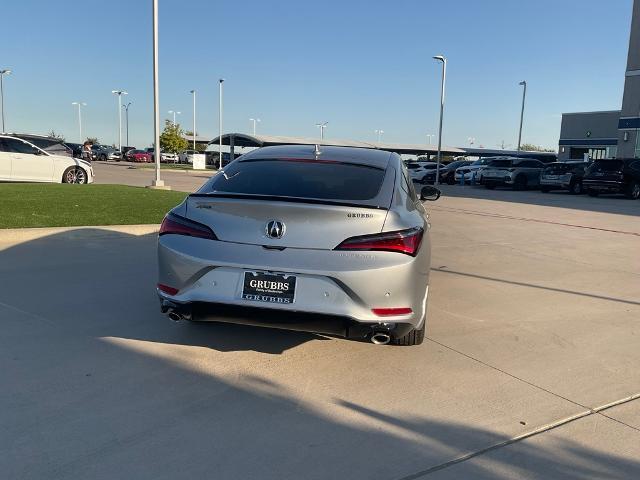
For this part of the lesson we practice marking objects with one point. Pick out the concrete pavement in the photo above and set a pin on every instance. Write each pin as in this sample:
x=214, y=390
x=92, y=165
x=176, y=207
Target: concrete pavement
x=533, y=321
x=136, y=175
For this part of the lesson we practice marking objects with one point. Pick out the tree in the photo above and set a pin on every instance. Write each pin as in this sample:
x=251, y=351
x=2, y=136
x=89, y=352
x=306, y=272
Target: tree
x=58, y=136
x=529, y=147
x=93, y=140
x=171, y=138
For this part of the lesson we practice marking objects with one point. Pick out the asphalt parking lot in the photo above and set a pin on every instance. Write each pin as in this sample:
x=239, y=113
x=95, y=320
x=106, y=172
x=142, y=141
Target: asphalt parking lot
x=530, y=369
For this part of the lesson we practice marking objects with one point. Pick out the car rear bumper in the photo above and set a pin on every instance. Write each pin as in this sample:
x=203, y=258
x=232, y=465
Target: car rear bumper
x=557, y=183
x=341, y=326
x=343, y=284
x=603, y=185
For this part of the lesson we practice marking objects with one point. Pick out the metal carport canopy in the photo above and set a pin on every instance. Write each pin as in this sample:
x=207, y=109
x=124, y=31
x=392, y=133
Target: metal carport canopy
x=246, y=140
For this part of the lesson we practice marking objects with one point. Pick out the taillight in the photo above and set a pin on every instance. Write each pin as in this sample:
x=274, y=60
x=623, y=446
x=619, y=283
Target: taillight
x=403, y=241
x=167, y=289
x=176, y=225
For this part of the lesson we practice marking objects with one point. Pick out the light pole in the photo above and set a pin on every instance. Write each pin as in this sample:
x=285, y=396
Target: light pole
x=119, y=93
x=220, y=82
x=193, y=92
x=157, y=183
x=524, y=95
x=430, y=136
x=442, y=59
x=126, y=116
x=80, y=105
x=3, y=72
x=379, y=133
x=322, y=126
x=174, y=116
x=254, y=120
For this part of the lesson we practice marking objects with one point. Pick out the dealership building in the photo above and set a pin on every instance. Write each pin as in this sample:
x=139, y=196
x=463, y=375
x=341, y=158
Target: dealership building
x=608, y=134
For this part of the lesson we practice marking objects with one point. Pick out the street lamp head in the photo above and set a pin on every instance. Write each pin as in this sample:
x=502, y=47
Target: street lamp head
x=119, y=92
x=221, y=80
x=6, y=71
x=524, y=82
x=440, y=58
x=192, y=91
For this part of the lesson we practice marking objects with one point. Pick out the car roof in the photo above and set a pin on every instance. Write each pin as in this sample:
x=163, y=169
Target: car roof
x=363, y=156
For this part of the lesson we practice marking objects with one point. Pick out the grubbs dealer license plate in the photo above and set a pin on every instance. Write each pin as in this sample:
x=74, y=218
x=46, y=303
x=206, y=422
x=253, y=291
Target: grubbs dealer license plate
x=269, y=287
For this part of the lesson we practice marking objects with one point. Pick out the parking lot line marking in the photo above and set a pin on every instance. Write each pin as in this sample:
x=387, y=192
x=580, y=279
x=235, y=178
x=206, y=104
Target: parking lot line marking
x=526, y=219
x=533, y=285
x=588, y=411
x=523, y=436
x=28, y=314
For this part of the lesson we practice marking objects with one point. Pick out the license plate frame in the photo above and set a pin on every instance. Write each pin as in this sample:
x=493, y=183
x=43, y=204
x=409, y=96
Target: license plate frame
x=268, y=287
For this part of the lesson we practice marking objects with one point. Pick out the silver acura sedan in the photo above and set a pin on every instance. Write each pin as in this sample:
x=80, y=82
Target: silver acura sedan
x=331, y=240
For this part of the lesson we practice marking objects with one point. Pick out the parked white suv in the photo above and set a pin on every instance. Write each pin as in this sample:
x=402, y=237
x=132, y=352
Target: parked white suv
x=22, y=161
x=186, y=156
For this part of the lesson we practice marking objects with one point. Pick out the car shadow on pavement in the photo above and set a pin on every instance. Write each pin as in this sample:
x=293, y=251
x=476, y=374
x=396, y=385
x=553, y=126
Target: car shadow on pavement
x=97, y=384
x=615, y=204
x=104, y=283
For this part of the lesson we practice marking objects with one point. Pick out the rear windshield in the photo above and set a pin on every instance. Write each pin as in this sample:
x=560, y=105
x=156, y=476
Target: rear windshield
x=500, y=163
x=562, y=167
x=308, y=179
x=607, y=166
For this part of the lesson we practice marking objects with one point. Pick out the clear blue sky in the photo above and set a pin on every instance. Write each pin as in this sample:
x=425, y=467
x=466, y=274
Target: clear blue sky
x=360, y=65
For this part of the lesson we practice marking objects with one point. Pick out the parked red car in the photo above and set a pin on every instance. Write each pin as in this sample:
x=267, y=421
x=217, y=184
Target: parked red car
x=138, y=156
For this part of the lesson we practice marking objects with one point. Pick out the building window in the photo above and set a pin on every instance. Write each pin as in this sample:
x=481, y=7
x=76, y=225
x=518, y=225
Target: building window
x=612, y=152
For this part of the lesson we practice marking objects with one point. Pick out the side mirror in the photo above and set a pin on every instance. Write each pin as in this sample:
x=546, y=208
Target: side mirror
x=37, y=151
x=429, y=193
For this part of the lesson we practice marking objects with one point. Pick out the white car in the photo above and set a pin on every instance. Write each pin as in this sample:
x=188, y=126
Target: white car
x=169, y=157
x=186, y=156
x=474, y=169
x=417, y=170
x=22, y=161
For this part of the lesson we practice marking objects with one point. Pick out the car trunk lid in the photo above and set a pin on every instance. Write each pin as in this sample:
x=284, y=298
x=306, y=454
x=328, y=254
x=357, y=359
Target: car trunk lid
x=302, y=224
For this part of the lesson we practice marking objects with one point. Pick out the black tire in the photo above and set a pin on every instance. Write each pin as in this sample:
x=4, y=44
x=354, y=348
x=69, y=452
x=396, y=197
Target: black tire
x=633, y=191
x=520, y=183
x=575, y=188
x=489, y=187
x=544, y=189
x=75, y=175
x=592, y=193
x=414, y=337
x=451, y=180
x=103, y=158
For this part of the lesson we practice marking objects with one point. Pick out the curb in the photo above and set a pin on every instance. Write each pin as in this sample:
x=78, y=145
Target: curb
x=19, y=235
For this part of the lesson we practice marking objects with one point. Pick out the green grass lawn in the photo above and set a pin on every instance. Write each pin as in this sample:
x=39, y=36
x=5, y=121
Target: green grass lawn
x=53, y=205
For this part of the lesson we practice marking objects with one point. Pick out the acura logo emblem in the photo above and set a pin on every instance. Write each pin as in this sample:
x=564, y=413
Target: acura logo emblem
x=275, y=229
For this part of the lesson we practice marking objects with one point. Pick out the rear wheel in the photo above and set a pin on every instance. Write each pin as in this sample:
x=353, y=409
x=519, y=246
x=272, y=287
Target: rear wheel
x=633, y=190
x=414, y=337
x=520, y=183
x=544, y=189
x=103, y=158
x=575, y=188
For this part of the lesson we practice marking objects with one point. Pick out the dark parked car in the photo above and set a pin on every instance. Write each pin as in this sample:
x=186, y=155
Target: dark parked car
x=518, y=173
x=563, y=176
x=105, y=153
x=76, y=148
x=447, y=172
x=613, y=176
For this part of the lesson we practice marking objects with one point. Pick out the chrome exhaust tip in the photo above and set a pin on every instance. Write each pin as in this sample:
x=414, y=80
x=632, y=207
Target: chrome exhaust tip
x=380, y=338
x=174, y=316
